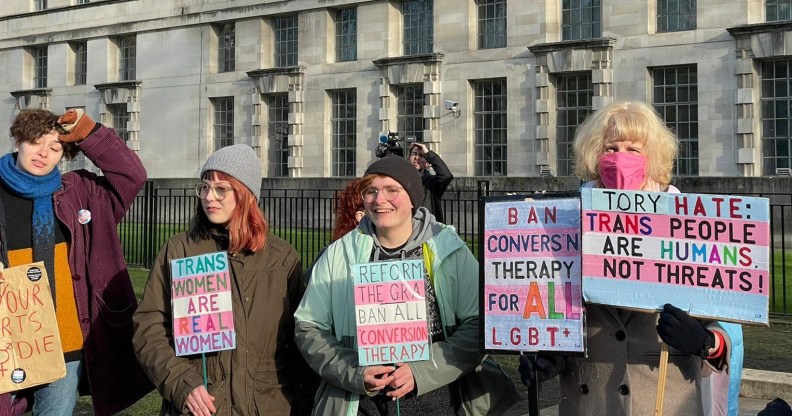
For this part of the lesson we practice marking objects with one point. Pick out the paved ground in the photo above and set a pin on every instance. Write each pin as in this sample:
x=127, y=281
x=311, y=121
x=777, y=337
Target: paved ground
x=748, y=407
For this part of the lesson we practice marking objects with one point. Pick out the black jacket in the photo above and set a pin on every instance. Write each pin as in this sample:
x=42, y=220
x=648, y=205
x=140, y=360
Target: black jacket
x=435, y=185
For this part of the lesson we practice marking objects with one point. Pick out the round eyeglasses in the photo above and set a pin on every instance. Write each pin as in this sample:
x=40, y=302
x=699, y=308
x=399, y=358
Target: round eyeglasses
x=219, y=192
x=389, y=192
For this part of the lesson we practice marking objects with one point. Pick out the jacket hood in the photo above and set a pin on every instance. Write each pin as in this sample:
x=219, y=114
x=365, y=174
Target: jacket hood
x=425, y=227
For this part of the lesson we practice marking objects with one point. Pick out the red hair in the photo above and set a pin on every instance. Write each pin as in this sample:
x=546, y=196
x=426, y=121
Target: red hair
x=348, y=203
x=247, y=228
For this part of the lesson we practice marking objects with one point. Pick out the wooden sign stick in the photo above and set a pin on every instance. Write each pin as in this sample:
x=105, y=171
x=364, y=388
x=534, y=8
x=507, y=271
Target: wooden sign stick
x=661, y=380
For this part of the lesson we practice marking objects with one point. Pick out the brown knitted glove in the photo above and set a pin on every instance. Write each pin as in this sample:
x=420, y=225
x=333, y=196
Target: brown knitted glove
x=77, y=124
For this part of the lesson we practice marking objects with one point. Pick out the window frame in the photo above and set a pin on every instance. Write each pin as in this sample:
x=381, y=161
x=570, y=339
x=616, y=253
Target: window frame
x=678, y=20
x=80, y=52
x=571, y=89
x=581, y=22
x=222, y=122
x=490, y=127
x=286, y=38
x=278, y=110
x=675, y=97
x=127, y=57
x=226, y=47
x=492, y=26
x=418, y=23
x=346, y=34
x=40, y=58
x=343, y=121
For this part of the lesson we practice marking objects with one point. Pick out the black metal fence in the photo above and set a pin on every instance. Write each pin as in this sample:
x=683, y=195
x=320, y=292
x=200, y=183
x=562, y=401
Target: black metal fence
x=304, y=218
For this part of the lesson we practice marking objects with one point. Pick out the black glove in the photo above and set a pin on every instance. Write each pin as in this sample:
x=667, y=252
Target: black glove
x=677, y=329
x=778, y=407
x=548, y=368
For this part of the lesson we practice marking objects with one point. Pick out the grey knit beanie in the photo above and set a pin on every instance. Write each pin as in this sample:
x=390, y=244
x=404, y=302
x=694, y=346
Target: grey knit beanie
x=403, y=172
x=239, y=161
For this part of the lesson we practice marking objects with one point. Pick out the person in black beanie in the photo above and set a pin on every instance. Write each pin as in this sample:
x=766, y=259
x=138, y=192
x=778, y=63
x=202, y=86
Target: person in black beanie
x=456, y=379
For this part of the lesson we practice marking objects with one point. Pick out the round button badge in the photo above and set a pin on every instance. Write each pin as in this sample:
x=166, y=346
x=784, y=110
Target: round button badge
x=84, y=216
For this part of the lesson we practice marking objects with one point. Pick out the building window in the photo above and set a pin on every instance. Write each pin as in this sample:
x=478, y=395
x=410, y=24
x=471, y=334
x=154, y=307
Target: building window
x=119, y=118
x=573, y=105
x=80, y=51
x=346, y=35
x=580, y=19
x=776, y=115
x=39, y=55
x=344, y=122
x=285, y=41
x=40, y=5
x=126, y=58
x=278, y=131
x=226, y=38
x=410, y=121
x=418, y=27
x=778, y=10
x=492, y=23
x=83, y=1
x=489, y=127
x=676, y=15
x=223, y=122
x=676, y=100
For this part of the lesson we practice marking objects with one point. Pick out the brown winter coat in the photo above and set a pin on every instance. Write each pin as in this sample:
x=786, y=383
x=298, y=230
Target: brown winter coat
x=265, y=373
x=620, y=375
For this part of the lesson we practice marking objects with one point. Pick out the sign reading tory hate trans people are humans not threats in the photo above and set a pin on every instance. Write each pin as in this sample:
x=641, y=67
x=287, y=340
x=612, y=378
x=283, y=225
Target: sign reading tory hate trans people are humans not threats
x=706, y=254
x=390, y=312
x=203, y=319
x=530, y=268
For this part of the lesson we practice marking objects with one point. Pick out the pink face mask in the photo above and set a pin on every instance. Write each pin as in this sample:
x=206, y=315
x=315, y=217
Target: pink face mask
x=622, y=170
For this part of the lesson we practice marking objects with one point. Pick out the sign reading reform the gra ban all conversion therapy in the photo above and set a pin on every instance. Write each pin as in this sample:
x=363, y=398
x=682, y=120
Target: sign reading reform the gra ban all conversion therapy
x=531, y=276
x=706, y=254
x=390, y=312
x=203, y=319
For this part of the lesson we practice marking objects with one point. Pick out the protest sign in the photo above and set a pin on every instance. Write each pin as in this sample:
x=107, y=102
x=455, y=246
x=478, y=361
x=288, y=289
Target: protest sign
x=529, y=257
x=203, y=319
x=30, y=346
x=390, y=312
x=706, y=254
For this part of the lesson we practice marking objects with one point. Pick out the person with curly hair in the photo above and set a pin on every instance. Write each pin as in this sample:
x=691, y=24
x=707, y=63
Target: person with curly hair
x=69, y=221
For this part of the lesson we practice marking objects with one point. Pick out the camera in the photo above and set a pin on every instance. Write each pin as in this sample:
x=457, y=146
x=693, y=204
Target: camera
x=389, y=144
x=451, y=105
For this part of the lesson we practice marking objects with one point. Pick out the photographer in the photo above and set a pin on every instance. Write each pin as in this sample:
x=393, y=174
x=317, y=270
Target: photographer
x=434, y=185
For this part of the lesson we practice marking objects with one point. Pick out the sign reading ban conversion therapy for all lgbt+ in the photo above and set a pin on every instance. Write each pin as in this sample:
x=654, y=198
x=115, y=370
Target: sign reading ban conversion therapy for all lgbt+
x=203, y=319
x=531, y=276
x=706, y=254
x=390, y=312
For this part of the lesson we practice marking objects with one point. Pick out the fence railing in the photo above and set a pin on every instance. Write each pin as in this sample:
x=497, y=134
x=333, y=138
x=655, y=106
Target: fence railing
x=304, y=218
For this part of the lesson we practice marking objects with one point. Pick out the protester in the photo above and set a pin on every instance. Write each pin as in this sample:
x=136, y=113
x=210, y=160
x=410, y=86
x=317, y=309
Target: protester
x=349, y=209
x=265, y=373
x=434, y=185
x=70, y=223
x=457, y=379
x=620, y=374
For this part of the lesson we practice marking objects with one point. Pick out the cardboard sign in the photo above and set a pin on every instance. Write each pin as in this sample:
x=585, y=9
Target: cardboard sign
x=531, y=276
x=390, y=312
x=203, y=319
x=706, y=254
x=30, y=346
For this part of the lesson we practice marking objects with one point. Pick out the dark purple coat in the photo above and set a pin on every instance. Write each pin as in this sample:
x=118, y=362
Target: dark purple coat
x=102, y=288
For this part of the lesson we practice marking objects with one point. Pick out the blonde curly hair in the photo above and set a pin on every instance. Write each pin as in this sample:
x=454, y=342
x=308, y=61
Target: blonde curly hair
x=633, y=121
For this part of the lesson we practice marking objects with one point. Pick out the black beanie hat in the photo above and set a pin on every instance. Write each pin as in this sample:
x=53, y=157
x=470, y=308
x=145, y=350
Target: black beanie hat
x=403, y=172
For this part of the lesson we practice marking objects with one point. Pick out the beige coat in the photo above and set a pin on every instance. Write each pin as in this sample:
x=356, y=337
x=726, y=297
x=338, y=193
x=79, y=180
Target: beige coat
x=620, y=375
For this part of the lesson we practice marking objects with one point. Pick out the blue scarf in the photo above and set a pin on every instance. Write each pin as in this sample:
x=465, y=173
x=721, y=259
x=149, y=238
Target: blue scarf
x=40, y=190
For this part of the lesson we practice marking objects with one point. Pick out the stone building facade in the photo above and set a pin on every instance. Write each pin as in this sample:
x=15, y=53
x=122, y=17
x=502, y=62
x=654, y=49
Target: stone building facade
x=495, y=86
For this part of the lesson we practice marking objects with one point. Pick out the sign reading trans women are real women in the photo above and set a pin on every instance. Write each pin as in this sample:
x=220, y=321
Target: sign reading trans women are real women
x=203, y=320
x=706, y=254
x=531, y=276
x=390, y=312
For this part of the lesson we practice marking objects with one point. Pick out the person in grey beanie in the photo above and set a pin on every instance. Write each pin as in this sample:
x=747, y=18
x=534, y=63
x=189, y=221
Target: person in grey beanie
x=261, y=371
x=456, y=379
